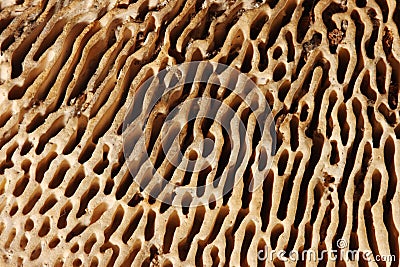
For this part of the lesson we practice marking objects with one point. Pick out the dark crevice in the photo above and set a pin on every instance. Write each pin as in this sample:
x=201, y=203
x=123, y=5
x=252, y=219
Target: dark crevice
x=115, y=252
x=20, y=185
x=326, y=221
x=263, y=64
x=376, y=186
x=377, y=129
x=306, y=19
x=51, y=132
x=257, y=25
x=223, y=160
x=239, y=219
x=59, y=175
x=359, y=184
x=288, y=187
x=124, y=185
x=304, y=113
x=7, y=42
x=32, y=201
x=389, y=156
x=329, y=120
x=45, y=229
x=184, y=245
x=230, y=244
x=294, y=133
x=277, y=53
x=133, y=224
x=77, y=230
x=366, y=88
x=394, y=87
x=275, y=234
x=247, y=180
x=334, y=157
x=280, y=21
x=202, y=181
x=316, y=149
x=248, y=237
x=395, y=16
x=328, y=13
x=291, y=50
x=283, y=90
x=369, y=224
x=348, y=91
x=380, y=76
x=149, y=230
x=267, y=200
x=343, y=58
x=90, y=243
x=76, y=137
x=282, y=163
x=279, y=72
x=172, y=224
x=86, y=197
x=292, y=240
x=48, y=204
x=74, y=183
x=24, y=47
x=397, y=131
x=50, y=38
x=344, y=126
x=116, y=221
x=248, y=59
x=318, y=194
x=62, y=219
x=321, y=87
x=350, y=161
x=370, y=43
x=389, y=116
x=136, y=199
x=308, y=236
x=5, y=22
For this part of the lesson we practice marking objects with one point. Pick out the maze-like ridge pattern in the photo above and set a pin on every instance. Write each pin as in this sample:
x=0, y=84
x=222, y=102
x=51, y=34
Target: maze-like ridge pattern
x=329, y=70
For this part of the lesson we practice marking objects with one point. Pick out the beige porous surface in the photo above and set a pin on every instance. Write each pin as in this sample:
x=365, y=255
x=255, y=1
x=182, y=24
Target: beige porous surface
x=329, y=71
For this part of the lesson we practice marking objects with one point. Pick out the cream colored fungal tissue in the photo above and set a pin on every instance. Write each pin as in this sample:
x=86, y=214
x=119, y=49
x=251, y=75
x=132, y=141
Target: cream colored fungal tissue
x=199, y=133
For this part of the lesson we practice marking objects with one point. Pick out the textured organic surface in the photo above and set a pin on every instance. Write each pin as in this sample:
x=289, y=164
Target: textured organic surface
x=330, y=72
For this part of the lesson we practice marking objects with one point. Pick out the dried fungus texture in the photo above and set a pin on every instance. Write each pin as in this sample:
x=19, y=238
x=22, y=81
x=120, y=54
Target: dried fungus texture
x=329, y=70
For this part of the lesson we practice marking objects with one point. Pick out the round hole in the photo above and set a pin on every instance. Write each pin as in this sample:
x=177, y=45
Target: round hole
x=279, y=72
x=277, y=53
x=29, y=225
x=192, y=155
